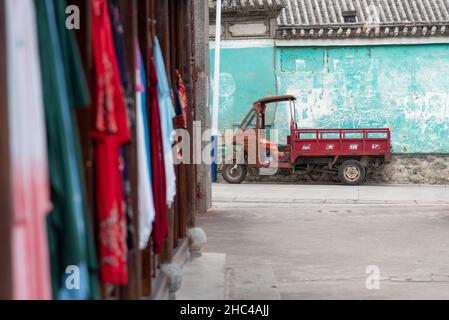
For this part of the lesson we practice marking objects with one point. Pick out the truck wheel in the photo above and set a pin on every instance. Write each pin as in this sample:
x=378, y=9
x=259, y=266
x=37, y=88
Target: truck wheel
x=352, y=172
x=234, y=173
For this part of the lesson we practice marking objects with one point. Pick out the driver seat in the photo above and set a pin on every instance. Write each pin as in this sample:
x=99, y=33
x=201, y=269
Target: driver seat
x=282, y=147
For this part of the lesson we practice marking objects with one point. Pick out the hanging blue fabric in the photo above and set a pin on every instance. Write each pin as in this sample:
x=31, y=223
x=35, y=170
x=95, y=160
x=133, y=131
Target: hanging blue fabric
x=167, y=112
x=145, y=113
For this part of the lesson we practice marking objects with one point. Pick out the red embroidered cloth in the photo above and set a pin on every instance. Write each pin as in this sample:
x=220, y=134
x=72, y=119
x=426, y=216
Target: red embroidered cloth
x=111, y=131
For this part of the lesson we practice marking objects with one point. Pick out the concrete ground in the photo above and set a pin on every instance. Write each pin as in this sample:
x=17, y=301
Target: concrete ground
x=319, y=241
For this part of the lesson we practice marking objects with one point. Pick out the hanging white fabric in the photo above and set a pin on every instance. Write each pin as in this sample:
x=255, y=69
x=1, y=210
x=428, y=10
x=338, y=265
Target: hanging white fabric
x=31, y=202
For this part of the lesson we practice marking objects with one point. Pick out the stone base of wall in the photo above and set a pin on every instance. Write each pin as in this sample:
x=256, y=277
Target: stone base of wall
x=422, y=169
x=430, y=169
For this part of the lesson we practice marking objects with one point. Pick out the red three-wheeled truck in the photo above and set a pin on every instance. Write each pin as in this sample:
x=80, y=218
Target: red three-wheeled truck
x=344, y=152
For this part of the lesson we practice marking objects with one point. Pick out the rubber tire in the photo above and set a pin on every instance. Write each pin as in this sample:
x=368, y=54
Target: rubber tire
x=365, y=178
x=230, y=180
x=346, y=181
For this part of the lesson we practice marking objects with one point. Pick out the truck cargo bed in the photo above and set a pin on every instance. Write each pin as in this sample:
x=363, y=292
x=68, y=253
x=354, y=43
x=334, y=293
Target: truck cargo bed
x=341, y=142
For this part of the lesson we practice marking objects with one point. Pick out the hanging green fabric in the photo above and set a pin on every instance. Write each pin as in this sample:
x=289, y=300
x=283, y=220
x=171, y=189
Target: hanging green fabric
x=78, y=92
x=79, y=97
x=70, y=239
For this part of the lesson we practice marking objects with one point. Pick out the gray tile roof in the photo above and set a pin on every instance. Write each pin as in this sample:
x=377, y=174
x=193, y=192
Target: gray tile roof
x=374, y=18
x=248, y=5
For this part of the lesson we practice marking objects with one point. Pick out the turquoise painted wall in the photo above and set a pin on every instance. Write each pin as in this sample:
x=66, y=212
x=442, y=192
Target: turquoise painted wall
x=405, y=88
x=246, y=74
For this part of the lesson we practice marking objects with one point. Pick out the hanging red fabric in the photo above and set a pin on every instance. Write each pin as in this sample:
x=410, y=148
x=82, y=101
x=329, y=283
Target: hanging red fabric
x=111, y=131
x=181, y=120
x=160, y=228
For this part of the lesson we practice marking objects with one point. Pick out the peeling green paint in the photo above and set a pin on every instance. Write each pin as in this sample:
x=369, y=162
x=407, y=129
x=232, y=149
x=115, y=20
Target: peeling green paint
x=405, y=88
x=246, y=74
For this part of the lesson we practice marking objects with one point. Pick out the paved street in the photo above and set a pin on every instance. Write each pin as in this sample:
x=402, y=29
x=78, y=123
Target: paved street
x=316, y=241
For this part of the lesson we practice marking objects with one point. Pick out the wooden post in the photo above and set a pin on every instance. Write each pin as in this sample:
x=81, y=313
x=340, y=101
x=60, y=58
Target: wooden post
x=200, y=35
x=163, y=32
x=129, y=16
x=186, y=43
x=189, y=60
x=181, y=53
x=174, y=64
x=6, y=284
